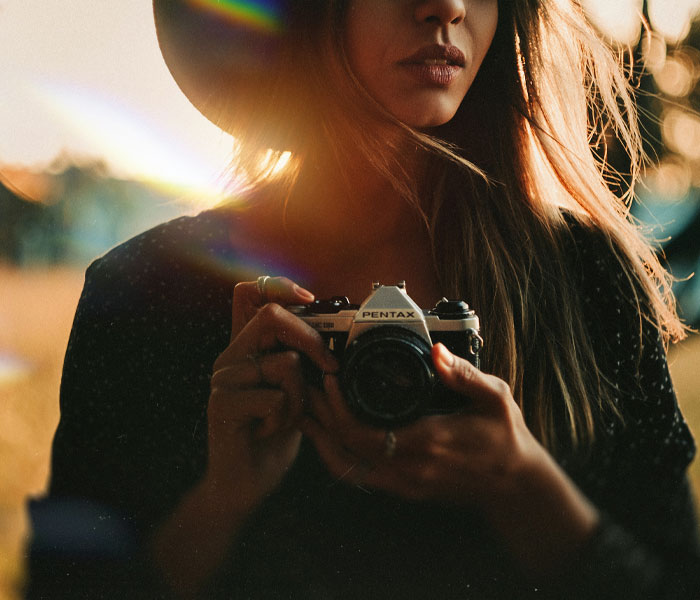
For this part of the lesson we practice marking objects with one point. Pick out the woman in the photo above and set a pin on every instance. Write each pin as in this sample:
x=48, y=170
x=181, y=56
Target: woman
x=444, y=142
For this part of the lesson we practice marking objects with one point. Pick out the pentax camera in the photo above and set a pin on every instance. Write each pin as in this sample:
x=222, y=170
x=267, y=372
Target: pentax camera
x=384, y=349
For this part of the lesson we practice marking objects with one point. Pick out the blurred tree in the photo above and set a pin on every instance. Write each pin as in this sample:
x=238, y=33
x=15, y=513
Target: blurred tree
x=17, y=219
x=83, y=213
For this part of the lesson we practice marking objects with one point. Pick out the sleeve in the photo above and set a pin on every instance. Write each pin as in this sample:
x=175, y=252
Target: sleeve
x=646, y=545
x=132, y=433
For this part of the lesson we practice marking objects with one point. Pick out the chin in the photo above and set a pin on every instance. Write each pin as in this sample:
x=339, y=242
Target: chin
x=429, y=118
x=431, y=122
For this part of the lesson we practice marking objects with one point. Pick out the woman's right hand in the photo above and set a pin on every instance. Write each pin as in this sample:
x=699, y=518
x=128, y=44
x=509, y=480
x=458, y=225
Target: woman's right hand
x=257, y=392
x=255, y=408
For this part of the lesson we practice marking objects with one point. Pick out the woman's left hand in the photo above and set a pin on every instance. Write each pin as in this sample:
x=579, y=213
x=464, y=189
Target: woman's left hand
x=460, y=458
x=483, y=457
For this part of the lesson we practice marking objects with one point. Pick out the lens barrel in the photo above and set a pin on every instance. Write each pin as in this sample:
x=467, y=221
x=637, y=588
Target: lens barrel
x=387, y=375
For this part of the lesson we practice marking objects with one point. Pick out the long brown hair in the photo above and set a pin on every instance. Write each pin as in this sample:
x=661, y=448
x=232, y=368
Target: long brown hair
x=503, y=176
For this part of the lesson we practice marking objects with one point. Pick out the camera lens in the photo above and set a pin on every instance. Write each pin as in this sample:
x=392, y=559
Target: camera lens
x=387, y=375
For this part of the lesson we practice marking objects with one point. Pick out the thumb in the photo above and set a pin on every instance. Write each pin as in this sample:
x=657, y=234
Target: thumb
x=463, y=377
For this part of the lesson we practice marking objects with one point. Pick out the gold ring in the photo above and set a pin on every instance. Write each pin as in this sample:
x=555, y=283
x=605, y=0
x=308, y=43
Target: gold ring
x=262, y=288
x=389, y=444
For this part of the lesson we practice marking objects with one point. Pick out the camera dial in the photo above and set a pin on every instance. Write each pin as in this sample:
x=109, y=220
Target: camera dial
x=451, y=309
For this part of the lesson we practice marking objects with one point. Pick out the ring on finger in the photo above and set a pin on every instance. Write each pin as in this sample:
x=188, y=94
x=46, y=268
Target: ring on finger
x=261, y=284
x=254, y=358
x=389, y=444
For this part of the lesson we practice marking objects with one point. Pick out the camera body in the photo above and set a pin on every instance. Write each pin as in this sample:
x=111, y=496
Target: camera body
x=384, y=349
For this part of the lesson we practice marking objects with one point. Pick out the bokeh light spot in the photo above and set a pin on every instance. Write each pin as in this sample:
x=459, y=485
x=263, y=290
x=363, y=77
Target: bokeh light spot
x=13, y=368
x=681, y=132
x=653, y=51
x=676, y=77
x=672, y=18
x=670, y=180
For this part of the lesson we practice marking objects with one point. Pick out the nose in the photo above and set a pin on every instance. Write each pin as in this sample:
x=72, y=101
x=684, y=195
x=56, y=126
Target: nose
x=440, y=12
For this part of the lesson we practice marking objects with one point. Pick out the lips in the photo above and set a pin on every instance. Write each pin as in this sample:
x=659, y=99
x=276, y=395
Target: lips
x=437, y=54
x=435, y=65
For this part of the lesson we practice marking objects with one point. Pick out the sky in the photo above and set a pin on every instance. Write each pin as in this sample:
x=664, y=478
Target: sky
x=85, y=77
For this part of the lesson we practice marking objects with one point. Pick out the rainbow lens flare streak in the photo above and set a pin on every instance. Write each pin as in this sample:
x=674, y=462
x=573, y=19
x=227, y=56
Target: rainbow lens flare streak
x=131, y=144
x=263, y=15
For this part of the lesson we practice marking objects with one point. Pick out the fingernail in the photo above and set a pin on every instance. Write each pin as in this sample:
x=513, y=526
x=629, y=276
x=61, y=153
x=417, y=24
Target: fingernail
x=302, y=293
x=445, y=356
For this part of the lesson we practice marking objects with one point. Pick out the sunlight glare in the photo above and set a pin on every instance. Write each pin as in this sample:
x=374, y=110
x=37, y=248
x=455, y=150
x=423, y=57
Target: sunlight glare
x=272, y=165
x=282, y=162
x=132, y=145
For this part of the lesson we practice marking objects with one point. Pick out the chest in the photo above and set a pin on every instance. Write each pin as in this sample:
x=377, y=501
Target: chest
x=345, y=263
x=353, y=275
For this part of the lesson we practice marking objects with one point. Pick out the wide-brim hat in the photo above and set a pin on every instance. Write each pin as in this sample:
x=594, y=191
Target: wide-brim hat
x=222, y=53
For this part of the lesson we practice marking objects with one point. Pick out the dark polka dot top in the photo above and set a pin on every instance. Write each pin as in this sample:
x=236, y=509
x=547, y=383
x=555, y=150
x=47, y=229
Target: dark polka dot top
x=154, y=315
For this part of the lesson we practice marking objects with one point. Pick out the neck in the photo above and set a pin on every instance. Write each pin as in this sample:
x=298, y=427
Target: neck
x=354, y=206
x=342, y=232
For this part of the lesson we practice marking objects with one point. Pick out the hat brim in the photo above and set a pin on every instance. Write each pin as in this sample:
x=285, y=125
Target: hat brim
x=217, y=62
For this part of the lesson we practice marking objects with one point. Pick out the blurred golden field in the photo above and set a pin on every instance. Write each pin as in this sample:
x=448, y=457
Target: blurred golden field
x=36, y=311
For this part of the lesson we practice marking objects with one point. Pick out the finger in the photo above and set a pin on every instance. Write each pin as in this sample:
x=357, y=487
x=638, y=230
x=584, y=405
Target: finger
x=284, y=370
x=463, y=377
x=320, y=408
x=340, y=463
x=277, y=289
x=247, y=299
x=337, y=408
x=273, y=326
x=344, y=419
x=244, y=406
x=261, y=412
x=240, y=375
x=281, y=370
x=351, y=469
x=361, y=439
